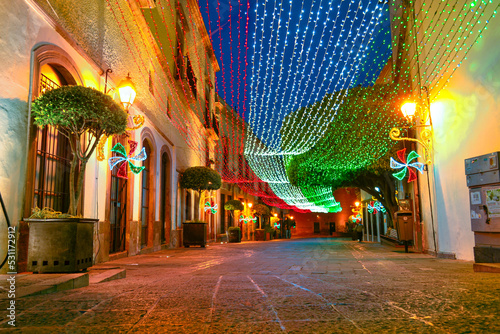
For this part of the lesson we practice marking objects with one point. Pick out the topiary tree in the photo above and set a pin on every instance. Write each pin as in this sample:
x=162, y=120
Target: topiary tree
x=261, y=210
x=200, y=178
x=75, y=111
x=232, y=205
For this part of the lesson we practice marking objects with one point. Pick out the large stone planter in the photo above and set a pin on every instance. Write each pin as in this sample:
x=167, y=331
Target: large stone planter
x=194, y=234
x=61, y=245
x=234, y=235
x=260, y=235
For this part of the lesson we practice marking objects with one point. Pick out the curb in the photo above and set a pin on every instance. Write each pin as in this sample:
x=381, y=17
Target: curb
x=108, y=275
x=51, y=285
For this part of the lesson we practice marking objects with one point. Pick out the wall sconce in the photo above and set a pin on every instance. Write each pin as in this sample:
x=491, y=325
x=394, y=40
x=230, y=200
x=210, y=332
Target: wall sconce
x=106, y=81
x=127, y=92
x=412, y=113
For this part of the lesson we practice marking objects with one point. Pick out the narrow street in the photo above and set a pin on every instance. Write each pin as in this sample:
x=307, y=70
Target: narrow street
x=321, y=285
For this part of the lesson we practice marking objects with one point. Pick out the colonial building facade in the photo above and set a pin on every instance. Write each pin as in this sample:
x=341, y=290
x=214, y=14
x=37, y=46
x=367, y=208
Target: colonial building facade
x=97, y=44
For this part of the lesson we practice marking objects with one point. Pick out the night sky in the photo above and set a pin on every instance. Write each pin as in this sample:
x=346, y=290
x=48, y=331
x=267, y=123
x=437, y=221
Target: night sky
x=276, y=57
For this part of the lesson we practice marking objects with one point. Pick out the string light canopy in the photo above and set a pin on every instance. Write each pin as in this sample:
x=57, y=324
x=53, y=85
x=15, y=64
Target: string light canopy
x=286, y=69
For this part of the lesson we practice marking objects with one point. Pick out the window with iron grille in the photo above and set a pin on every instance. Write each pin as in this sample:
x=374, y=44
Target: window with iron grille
x=190, y=76
x=53, y=159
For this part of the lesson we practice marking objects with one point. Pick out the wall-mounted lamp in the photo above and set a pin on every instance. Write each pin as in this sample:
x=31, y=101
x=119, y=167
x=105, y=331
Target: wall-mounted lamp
x=127, y=92
x=413, y=111
x=408, y=109
x=106, y=81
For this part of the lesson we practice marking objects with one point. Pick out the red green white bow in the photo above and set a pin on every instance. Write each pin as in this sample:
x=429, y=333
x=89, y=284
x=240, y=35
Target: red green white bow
x=406, y=164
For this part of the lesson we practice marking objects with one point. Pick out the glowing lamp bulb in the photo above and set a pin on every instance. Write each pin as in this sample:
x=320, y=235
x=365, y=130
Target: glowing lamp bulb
x=249, y=205
x=357, y=204
x=409, y=109
x=127, y=92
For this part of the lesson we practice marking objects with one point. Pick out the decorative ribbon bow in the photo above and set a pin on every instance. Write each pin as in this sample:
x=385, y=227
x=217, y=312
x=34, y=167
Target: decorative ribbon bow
x=407, y=165
x=375, y=207
x=124, y=158
x=247, y=219
x=355, y=218
x=211, y=207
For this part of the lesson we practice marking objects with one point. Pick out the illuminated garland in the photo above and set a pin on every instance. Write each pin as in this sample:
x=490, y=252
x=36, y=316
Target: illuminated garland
x=406, y=165
x=124, y=158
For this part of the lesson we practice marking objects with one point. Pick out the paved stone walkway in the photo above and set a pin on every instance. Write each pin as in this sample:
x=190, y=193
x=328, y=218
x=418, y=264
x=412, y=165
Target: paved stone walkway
x=319, y=285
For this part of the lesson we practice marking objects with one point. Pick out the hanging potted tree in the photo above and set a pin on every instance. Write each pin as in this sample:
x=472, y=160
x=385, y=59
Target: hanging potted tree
x=234, y=232
x=201, y=179
x=63, y=242
x=262, y=211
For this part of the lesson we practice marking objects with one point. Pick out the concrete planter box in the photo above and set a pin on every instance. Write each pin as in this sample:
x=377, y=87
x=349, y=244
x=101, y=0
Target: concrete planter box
x=234, y=235
x=194, y=234
x=62, y=245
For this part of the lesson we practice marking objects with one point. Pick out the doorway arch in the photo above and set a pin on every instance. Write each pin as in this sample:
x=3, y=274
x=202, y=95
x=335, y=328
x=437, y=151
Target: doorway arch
x=165, y=196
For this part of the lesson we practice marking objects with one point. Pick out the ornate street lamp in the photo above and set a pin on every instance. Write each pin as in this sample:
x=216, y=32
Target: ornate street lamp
x=127, y=92
x=413, y=111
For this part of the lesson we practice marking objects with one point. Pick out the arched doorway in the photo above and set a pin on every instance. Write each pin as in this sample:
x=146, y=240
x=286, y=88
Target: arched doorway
x=187, y=207
x=146, y=208
x=165, y=206
x=118, y=207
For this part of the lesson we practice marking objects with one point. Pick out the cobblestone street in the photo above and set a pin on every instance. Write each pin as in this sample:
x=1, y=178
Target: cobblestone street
x=319, y=285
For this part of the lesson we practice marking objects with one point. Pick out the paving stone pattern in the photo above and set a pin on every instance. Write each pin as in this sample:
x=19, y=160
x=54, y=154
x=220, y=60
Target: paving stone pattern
x=321, y=285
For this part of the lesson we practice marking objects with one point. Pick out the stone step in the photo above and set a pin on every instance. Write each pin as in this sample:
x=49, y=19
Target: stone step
x=40, y=284
x=487, y=267
x=107, y=275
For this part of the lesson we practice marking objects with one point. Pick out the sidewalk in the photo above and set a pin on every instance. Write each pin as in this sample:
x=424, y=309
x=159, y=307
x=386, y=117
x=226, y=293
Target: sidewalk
x=28, y=284
x=316, y=285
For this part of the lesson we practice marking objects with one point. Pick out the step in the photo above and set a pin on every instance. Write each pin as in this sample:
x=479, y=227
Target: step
x=487, y=267
x=107, y=275
x=41, y=284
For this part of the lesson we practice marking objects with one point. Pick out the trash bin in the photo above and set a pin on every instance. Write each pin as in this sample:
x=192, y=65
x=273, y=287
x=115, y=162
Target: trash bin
x=404, y=225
